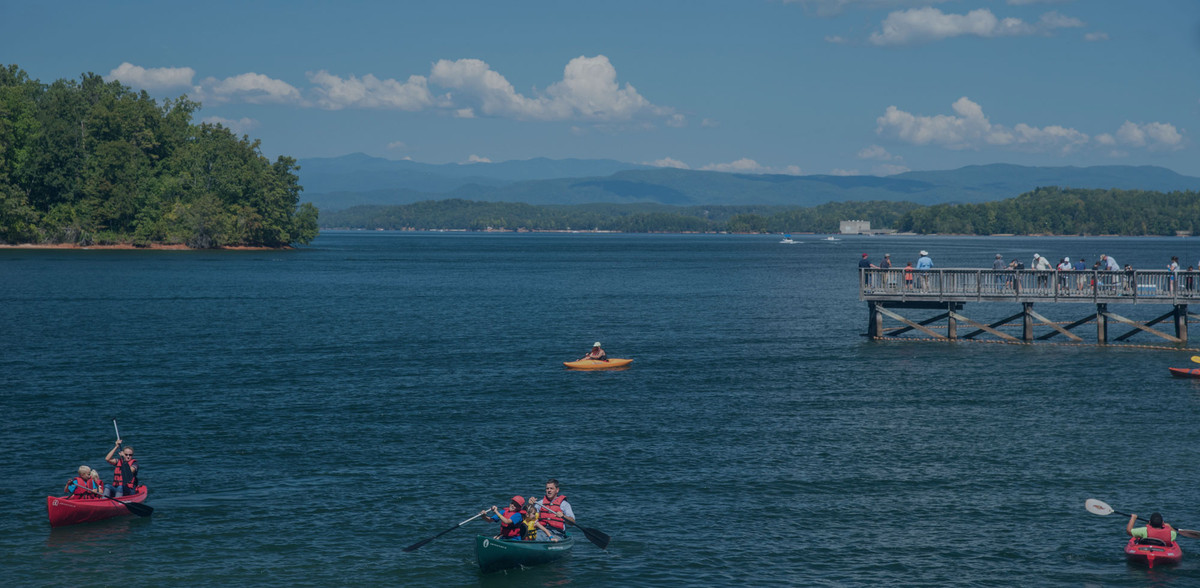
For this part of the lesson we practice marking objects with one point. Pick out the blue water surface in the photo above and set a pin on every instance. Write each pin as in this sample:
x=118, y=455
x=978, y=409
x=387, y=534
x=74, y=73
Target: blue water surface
x=303, y=415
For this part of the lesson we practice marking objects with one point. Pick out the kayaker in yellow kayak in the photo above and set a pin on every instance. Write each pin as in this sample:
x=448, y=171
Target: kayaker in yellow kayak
x=596, y=353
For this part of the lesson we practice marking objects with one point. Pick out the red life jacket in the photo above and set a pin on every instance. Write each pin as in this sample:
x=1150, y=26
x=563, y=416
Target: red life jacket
x=1163, y=534
x=551, y=513
x=512, y=531
x=119, y=478
x=81, y=489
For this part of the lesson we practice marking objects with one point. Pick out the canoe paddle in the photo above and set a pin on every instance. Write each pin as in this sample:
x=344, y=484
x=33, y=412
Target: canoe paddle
x=419, y=544
x=137, y=508
x=598, y=538
x=1101, y=508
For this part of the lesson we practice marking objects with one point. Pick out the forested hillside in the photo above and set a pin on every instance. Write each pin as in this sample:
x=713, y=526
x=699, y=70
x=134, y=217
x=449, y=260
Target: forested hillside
x=92, y=162
x=1044, y=211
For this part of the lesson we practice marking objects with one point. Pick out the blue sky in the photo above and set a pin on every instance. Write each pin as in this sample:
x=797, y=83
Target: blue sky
x=800, y=86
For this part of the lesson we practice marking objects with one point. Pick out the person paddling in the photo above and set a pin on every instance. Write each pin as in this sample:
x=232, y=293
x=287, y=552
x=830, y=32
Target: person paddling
x=596, y=353
x=1157, y=529
x=509, y=518
x=552, y=509
x=125, y=476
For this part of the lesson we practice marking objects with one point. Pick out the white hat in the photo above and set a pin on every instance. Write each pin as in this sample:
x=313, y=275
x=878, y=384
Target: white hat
x=1035, y=256
x=1067, y=259
x=596, y=344
x=924, y=252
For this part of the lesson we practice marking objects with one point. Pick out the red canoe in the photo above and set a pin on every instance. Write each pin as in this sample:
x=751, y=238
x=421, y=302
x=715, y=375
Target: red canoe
x=1137, y=551
x=65, y=512
x=1185, y=372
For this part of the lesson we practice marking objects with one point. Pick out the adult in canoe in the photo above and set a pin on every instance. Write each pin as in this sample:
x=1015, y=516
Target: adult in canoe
x=596, y=353
x=1157, y=529
x=552, y=508
x=509, y=518
x=125, y=476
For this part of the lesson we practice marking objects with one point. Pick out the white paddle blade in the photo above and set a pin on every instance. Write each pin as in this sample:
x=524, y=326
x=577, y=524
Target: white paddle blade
x=1097, y=507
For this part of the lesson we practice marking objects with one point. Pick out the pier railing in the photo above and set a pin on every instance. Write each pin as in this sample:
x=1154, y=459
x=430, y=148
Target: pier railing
x=978, y=285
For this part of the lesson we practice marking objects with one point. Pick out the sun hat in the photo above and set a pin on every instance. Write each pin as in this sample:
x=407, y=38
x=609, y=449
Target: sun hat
x=1067, y=259
x=1035, y=256
x=596, y=344
x=998, y=256
x=924, y=252
x=887, y=254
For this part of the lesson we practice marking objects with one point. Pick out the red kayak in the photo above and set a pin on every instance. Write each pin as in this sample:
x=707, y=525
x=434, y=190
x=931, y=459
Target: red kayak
x=1152, y=551
x=65, y=512
x=1185, y=372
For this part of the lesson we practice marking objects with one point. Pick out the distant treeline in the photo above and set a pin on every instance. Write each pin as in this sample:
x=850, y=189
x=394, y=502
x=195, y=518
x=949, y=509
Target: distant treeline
x=92, y=162
x=1044, y=211
x=627, y=218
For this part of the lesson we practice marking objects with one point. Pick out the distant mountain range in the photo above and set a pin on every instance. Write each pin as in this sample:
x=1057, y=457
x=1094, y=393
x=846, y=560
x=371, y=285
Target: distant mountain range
x=342, y=182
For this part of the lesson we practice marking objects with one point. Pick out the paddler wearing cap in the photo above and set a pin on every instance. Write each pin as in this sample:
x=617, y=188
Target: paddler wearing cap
x=596, y=353
x=509, y=518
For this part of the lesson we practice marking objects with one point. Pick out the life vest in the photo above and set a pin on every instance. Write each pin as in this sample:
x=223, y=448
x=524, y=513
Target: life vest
x=509, y=531
x=529, y=526
x=119, y=476
x=80, y=492
x=551, y=513
x=1162, y=534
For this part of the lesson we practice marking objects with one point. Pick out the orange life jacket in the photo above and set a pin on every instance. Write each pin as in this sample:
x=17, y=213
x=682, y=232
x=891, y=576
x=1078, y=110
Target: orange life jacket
x=511, y=531
x=82, y=485
x=551, y=513
x=1162, y=534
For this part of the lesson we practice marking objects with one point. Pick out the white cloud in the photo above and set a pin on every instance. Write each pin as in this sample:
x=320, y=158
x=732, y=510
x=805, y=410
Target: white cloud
x=834, y=7
x=876, y=152
x=588, y=91
x=152, y=78
x=1096, y=36
x=239, y=127
x=397, y=145
x=749, y=166
x=335, y=93
x=924, y=25
x=1154, y=136
x=844, y=172
x=476, y=159
x=710, y=123
x=1027, y=2
x=668, y=162
x=250, y=87
x=969, y=128
x=836, y=39
x=676, y=120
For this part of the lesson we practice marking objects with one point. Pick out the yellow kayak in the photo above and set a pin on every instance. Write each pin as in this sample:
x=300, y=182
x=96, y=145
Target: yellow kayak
x=596, y=364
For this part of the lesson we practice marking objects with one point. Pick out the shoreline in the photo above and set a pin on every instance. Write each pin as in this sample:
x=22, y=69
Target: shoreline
x=131, y=247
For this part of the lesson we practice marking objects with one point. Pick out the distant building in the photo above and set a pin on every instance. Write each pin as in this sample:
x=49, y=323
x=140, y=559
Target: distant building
x=855, y=227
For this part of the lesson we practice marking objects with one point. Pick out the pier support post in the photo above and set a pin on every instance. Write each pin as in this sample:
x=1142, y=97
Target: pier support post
x=1026, y=322
x=1181, y=321
x=951, y=322
x=1102, y=324
x=874, y=320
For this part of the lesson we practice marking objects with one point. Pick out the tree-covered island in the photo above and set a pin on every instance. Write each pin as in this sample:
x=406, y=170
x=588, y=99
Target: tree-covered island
x=91, y=162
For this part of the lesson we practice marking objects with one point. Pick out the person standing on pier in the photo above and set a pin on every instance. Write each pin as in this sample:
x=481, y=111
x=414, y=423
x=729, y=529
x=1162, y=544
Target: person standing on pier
x=998, y=266
x=1173, y=267
x=1081, y=282
x=1041, y=265
x=889, y=279
x=865, y=263
x=924, y=264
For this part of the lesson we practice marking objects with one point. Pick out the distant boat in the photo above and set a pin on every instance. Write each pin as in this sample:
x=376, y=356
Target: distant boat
x=787, y=239
x=831, y=238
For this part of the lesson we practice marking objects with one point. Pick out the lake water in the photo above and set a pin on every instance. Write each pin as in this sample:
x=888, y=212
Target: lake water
x=301, y=416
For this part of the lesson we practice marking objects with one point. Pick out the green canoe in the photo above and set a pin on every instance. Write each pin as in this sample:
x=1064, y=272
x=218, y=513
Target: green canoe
x=494, y=554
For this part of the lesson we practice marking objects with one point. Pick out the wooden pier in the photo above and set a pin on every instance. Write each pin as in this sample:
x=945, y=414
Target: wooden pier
x=890, y=292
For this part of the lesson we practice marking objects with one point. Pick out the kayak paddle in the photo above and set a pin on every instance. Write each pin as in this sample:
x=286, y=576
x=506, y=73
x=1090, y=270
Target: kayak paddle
x=419, y=544
x=1098, y=507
